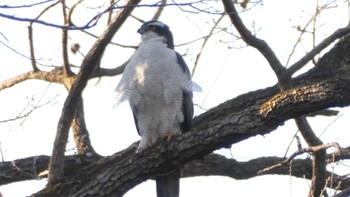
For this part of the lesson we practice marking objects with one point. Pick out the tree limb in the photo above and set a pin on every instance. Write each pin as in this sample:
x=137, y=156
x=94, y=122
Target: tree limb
x=35, y=167
x=257, y=43
x=233, y=121
x=54, y=76
x=88, y=65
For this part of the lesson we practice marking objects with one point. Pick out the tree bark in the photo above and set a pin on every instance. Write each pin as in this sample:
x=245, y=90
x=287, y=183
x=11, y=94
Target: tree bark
x=248, y=115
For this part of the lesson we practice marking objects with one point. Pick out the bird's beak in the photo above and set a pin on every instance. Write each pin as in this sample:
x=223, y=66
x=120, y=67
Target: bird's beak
x=141, y=30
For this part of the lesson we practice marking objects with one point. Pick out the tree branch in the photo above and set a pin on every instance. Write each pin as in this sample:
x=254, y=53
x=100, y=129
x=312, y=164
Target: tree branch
x=35, y=167
x=313, y=149
x=54, y=76
x=88, y=65
x=259, y=44
x=311, y=54
x=222, y=126
x=66, y=66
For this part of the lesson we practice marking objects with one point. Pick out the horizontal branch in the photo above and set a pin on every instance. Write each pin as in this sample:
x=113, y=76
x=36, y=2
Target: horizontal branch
x=36, y=168
x=300, y=168
x=109, y=72
x=54, y=76
x=57, y=76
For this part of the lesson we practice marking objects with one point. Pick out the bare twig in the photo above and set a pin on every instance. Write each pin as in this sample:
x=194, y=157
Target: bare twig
x=205, y=41
x=25, y=115
x=24, y=6
x=302, y=32
x=301, y=151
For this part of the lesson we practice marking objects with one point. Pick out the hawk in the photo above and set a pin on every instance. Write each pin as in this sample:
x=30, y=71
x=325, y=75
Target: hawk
x=158, y=85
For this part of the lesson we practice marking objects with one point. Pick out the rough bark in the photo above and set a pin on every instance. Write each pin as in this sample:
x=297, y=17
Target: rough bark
x=251, y=114
x=36, y=167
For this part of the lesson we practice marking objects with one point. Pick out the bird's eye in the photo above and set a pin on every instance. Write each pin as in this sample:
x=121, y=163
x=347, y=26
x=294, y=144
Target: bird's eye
x=152, y=28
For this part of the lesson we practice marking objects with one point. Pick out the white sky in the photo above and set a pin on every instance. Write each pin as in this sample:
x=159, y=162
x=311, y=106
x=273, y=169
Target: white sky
x=223, y=73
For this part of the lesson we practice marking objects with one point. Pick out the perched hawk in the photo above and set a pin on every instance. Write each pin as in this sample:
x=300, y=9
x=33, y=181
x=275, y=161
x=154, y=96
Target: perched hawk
x=157, y=83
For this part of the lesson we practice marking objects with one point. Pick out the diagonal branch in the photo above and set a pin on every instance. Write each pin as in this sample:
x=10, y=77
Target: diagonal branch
x=222, y=126
x=257, y=43
x=87, y=67
x=311, y=54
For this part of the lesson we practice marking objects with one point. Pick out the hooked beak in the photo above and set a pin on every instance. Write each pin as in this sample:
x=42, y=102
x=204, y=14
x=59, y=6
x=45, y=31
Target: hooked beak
x=141, y=30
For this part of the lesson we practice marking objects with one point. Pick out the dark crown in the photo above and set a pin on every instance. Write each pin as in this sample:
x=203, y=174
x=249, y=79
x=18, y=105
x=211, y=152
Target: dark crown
x=159, y=28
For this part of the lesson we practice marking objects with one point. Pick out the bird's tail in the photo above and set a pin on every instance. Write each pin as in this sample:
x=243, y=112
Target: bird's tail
x=168, y=185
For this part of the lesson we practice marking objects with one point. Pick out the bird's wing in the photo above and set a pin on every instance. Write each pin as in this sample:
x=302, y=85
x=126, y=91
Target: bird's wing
x=187, y=103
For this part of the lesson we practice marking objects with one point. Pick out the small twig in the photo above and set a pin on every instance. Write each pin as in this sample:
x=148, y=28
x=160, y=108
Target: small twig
x=302, y=151
x=205, y=41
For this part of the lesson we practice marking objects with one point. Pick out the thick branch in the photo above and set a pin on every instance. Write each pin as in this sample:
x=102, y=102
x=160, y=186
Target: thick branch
x=35, y=168
x=300, y=168
x=228, y=123
x=80, y=132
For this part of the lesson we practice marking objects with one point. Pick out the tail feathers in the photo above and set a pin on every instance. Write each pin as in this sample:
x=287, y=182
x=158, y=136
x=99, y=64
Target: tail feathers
x=168, y=185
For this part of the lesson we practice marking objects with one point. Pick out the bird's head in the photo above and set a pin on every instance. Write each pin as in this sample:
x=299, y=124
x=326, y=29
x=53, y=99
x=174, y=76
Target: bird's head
x=156, y=29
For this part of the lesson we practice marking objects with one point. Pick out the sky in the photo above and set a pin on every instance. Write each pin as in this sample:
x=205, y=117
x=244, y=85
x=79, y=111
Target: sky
x=227, y=68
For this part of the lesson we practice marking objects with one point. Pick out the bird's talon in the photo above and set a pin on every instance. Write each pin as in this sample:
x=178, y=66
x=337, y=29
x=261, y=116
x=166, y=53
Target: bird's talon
x=169, y=137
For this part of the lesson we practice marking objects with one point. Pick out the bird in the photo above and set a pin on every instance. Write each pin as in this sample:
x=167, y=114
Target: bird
x=157, y=83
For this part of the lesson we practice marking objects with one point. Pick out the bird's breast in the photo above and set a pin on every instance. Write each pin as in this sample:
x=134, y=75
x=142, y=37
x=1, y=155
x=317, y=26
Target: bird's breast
x=158, y=76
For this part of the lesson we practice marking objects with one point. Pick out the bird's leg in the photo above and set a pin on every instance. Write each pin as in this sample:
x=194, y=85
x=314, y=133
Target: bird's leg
x=170, y=134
